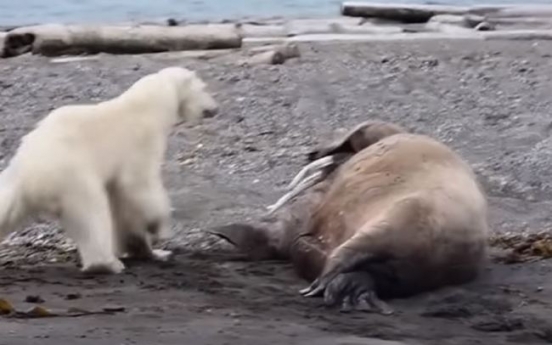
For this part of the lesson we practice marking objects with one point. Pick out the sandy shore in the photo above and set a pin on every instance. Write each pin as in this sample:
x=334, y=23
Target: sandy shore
x=489, y=100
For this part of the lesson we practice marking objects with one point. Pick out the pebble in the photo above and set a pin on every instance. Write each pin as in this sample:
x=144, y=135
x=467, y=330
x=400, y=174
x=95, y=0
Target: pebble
x=34, y=299
x=73, y=296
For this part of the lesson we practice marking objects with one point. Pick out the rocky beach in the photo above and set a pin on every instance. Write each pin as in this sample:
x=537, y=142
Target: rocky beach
x=488, y=97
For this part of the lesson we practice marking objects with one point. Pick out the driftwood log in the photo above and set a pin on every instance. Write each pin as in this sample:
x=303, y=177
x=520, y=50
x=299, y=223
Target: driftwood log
x=455, y=24
x=404, y=13
x=513, y=11
x=317, y=26
x=518, y=35
x=274, y=56
x=415, y=13
x=462, y=21
x=3, y=36
x=56, y=40
x=250, y=30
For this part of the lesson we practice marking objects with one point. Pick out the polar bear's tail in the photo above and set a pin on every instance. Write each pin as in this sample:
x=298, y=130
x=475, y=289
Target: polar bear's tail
x=11, y=206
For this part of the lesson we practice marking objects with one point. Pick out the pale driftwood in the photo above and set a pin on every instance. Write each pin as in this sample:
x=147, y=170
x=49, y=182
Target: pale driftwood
x=367, y=28
x=3, y=36
x=191, y=54
x=448, y=28
x=74, y=59
x=260, y=41
x=329, y=38
x=250, y=30
x=490, y=20
x=399, y=12
x=298, y=27
x=521, y=22
x=276, y=56
x=265, y=21
x=462, y=21
x=262, y=48
x=450, y=24
x=512, y=11
x=55, y=40
x=6, y=28
x=517, y=35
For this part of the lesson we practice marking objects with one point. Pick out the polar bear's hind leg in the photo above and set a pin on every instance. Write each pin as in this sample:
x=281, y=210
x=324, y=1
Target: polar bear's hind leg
x=86, y=218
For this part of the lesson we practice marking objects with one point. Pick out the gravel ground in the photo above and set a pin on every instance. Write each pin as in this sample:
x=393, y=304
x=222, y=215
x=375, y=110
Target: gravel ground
x=489, y=100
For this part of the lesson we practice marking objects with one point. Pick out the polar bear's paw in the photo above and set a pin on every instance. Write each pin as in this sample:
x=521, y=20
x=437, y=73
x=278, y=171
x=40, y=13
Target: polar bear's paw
x=112, y=267
x=161, y=255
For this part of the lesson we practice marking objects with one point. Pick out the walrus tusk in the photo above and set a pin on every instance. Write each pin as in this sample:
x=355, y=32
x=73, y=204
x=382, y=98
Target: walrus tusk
x=301, y=183
x=305, y=184
x=318, y=164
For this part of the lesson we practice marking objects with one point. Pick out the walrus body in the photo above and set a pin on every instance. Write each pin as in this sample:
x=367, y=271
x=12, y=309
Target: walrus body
x=401, y=214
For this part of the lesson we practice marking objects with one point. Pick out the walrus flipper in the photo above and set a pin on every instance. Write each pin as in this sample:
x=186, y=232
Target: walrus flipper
x=253, y=241
x=355, y=291
x=343, y=281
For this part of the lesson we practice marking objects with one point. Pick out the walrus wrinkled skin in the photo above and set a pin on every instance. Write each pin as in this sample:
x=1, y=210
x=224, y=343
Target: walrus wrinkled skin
x=398, y=214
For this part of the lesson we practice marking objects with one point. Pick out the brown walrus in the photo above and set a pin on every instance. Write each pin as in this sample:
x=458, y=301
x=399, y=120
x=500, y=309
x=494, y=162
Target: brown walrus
x=396, y=214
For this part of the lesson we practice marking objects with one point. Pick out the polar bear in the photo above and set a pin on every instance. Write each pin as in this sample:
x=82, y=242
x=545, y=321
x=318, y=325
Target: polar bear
x=97, y=169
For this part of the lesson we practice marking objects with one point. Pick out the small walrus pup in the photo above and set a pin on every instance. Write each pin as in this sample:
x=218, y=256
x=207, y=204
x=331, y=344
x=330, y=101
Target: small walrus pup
x=391, y=215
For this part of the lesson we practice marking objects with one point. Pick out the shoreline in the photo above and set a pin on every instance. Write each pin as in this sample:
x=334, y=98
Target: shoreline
x=203, y=16
x=361, y=22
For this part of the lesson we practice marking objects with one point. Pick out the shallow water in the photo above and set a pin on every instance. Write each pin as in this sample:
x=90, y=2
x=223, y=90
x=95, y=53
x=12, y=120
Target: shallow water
x=41, y=11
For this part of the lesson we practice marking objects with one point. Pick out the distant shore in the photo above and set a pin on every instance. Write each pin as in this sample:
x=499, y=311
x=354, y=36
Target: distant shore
x=29, y=12
x=359, y=22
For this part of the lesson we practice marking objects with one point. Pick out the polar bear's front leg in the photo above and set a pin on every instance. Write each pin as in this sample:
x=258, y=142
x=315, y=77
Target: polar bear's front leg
x=142, y=211
x=86, y=217
x=138, y=246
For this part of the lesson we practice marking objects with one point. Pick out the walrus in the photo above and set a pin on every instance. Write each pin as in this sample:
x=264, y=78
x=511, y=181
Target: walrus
x=391, y=214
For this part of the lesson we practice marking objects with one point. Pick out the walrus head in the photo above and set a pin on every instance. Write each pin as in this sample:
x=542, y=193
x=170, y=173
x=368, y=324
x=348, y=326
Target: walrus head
x=324, y=160
x=357, y=139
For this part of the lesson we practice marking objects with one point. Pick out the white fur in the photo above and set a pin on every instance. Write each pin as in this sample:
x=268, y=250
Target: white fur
x=97, y=168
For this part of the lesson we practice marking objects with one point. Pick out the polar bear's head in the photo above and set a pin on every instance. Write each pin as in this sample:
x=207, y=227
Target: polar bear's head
x=194, y=100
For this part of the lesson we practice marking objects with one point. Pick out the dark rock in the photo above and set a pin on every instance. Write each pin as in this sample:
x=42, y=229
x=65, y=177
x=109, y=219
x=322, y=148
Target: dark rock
x=498, y=324
x=73, y=296
x=34, y=299
x=172, y=22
